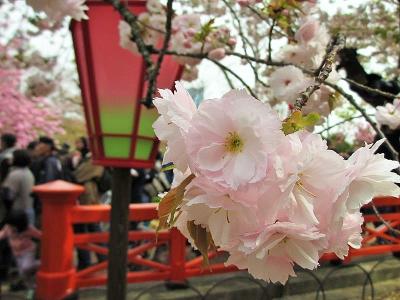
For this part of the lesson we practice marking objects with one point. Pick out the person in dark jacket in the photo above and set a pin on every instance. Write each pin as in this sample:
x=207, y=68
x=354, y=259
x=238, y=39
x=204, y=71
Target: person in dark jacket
x=46, y=166
x=7, y=147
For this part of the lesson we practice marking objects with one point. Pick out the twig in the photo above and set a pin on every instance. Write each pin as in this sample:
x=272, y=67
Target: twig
x=353, y=102
x=222, y=67
x=245, y=42
x=368, y=89
x=381, y=219
x=271, y=29
x=228, y=79
x=153, y=72
x=340, y=123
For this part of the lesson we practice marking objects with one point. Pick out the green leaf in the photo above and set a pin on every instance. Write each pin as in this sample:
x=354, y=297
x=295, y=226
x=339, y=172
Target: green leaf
x=296, y=122
x=205, y=30
x=310, y=120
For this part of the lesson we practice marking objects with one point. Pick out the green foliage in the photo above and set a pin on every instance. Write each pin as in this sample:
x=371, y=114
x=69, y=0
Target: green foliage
x=206, y=29
x=296, y=121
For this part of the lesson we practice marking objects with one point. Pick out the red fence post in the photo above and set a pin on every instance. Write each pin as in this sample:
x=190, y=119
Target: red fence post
x=56, y=276
x=177, y=256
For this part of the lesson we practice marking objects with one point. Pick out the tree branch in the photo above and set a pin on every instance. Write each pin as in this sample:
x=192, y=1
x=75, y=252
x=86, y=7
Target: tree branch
x=323, y=72
x=153, y=72
x=368, y=89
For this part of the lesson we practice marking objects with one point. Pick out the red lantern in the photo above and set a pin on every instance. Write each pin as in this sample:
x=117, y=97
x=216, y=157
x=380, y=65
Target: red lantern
x=113, y=86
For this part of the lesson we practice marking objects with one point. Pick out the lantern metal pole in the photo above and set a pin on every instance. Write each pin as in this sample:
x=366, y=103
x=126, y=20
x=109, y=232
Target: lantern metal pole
x=118, y=243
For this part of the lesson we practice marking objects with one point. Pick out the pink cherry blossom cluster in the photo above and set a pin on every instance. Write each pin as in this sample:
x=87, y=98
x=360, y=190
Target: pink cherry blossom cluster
x=389, y=114
x=23, y=116
x=189, y=36
x=270, y=200
x=57, y=10
x=152, y=25
x=308, y=52
x=38, y=85
x=365, y=134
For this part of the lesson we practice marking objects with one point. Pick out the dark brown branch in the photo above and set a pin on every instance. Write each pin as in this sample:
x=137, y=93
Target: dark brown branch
x=271, y=30
x=230, y=83
x=368, y=89
x=376, y=212
x=323, y=72
x=153, y=72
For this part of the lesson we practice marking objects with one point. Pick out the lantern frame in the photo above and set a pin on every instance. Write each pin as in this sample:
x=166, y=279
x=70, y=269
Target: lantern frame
x=83, y=47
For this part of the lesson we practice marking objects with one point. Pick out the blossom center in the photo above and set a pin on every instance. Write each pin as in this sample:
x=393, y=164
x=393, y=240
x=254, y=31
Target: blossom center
x=233, y=143
x=287, y=82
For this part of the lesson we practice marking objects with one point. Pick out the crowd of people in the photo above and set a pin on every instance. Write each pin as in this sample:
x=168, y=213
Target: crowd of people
x=20, y=209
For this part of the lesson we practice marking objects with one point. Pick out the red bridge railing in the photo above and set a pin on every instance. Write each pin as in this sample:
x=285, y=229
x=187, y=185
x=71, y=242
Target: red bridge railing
x=58, y=277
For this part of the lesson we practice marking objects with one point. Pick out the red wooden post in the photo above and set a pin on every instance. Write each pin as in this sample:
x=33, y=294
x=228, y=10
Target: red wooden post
x=177, y=256
x=56, y=277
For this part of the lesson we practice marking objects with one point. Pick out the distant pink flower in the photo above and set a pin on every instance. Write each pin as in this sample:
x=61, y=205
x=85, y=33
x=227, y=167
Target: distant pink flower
x=295, y=54
x=217, y=54
x=319, y=102
x=389, y=114
x=364, y=134
x=176, y=111
x=307, y=31
x=125, y=35
x=287, y=83
x=231, y=138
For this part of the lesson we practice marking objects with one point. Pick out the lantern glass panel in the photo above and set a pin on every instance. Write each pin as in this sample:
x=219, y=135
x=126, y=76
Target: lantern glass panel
x=143, y=148
x=147, y=118
x=118, y=147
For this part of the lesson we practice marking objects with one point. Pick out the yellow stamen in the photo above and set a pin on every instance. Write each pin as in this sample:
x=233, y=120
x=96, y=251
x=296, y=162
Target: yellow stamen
x=300, y=185
x=233, y=143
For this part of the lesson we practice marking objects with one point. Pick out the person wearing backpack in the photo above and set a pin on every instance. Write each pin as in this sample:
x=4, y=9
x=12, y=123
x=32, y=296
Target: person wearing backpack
x=88, y=175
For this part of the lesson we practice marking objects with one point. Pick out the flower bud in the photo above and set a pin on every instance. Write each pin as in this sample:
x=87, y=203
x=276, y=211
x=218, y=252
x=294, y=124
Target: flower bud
x=217, y=54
